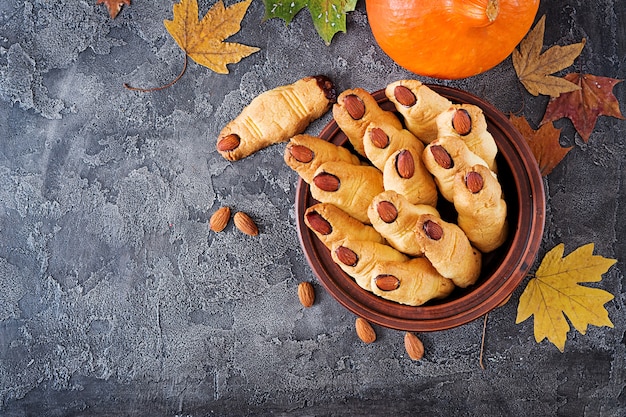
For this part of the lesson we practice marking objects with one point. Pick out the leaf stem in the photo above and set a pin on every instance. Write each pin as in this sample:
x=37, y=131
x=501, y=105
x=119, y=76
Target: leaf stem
x=482, y=343
x=148, y=90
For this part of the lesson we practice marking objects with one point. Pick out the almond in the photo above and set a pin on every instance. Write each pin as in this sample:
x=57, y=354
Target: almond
x=219, y=219
x=301, y=153
x=414, y=346
x=318, y=223
x=405, y=164
x=245, y=224
x=387, y=211
x=306, y=293
x=328, y=88
x=474, y=182
x=386, y=282
x=433, y=230
x=326, y=182
x=346, y=256
x=462, y=122
x=441, y=156
x=404, y=96
x=364, y=330
x=228, y=143
x=354, y=106
x=379, y=138
x=506, y=300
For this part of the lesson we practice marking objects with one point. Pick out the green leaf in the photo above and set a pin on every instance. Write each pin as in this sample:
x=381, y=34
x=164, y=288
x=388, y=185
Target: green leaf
x=285, y=10
x=329, y=16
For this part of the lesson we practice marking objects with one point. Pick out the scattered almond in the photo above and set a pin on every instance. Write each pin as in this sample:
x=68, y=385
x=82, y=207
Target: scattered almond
x=462, y=122
x=354, y=106
x=228, y=143
x=306, y=293
x=219, y=219
x=506, y=300
x=245, y=224
x=474, y=181
x=404, y=96
x=387, y=211
x=364, y=330
x=414, y=346
x=387, y=282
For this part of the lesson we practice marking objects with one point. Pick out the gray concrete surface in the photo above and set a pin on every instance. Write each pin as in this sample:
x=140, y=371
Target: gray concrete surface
x=117, y=301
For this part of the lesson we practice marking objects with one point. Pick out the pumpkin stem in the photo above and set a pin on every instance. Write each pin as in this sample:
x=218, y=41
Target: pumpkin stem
x=492, y=10
x=481, y=12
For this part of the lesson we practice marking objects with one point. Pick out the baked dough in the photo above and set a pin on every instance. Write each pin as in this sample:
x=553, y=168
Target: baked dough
x=460, y=158
x=421, y=112
x=353, y=187
x=275, y=116
x=305, y=146
x=482, y=213
x=415, y=183
x=447, y=247
x=474, y=134
x=379, y=142
x=417, y=282
x=331, y=225
x=355, y=110
x=398, y=229
x=366, y=255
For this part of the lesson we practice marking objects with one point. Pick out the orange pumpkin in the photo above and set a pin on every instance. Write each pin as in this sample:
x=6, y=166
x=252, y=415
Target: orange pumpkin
x=450, y=39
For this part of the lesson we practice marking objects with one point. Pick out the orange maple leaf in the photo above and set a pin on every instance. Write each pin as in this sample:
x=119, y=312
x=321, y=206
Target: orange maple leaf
x=114, y=6
x=584, y=106
x=544, y=143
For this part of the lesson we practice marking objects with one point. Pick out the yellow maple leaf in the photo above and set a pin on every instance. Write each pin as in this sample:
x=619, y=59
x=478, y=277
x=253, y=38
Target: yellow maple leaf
x=533, y=68
x=203, y=40
x=554, y=293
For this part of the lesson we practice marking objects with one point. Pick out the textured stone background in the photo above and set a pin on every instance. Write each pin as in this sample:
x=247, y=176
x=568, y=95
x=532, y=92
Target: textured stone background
x=116, y=300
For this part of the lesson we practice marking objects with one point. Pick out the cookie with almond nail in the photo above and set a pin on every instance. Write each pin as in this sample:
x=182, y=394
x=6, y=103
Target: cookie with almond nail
x=275, y=116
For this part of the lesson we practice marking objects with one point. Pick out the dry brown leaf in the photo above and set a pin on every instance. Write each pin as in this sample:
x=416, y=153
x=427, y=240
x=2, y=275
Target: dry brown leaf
x=544, y=143
x=583, y=107
x=203, y=40
x=533, y=67
x=114, y=6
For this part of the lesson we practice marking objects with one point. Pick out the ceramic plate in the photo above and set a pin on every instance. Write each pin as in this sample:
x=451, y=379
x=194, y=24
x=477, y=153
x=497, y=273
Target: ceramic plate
x=503, y=270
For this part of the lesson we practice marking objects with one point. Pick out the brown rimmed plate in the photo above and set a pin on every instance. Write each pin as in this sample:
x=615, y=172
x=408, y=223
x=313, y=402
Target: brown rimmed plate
x=503, y=269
